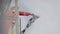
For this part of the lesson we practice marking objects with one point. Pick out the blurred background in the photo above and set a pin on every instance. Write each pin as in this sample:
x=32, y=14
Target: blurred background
x=49, y=12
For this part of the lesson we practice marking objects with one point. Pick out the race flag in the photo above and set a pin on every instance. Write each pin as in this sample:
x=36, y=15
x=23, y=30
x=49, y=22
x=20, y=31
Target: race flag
x=31, y=20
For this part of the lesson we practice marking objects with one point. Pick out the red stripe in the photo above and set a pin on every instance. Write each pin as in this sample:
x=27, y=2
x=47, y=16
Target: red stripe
x=21, y=13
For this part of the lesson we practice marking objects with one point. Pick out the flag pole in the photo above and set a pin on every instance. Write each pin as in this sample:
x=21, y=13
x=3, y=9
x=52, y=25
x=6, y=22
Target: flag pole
x=17, y=17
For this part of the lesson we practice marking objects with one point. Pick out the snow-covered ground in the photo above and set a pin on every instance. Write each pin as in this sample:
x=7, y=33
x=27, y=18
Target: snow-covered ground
x=49, y=12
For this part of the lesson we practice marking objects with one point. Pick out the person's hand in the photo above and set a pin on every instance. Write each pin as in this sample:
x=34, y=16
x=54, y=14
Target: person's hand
x=10, y=13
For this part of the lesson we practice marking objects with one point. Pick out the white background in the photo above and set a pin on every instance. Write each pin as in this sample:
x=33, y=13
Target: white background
x=49, y=12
